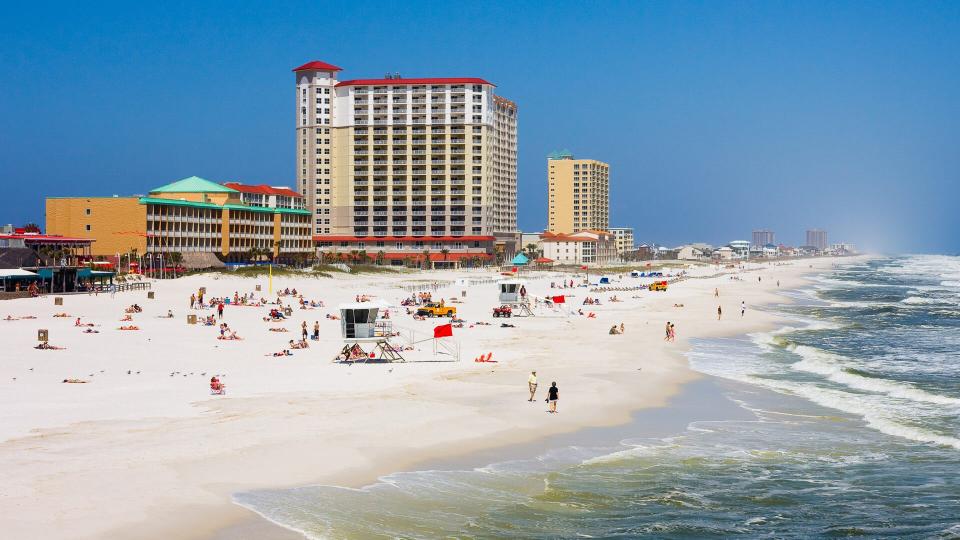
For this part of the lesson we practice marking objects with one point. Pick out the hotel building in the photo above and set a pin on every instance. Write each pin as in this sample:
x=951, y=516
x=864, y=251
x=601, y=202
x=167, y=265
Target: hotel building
x=817, y=238
x=762, y=237
x=401, y=166
x=579, y=193
x=192, y=215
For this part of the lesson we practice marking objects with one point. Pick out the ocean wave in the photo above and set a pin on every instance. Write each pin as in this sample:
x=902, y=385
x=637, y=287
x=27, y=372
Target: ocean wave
x=921, y=300
x=869, y=410
x=837, y=370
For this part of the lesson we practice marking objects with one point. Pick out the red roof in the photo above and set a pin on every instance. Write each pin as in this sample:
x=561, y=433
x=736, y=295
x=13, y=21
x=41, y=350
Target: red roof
x=317, y=65
x=406, y=82
x=543, y=260
x=262, y=189
x=336, y=238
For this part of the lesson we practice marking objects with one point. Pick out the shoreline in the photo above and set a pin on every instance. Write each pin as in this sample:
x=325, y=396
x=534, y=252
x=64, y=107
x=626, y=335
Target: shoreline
x=256, y=525
x=474, y=403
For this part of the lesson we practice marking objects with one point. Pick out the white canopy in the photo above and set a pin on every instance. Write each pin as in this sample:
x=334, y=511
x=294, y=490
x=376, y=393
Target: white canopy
x=15, y=272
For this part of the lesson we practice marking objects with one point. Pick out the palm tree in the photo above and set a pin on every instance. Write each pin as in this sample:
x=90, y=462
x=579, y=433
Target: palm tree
x=362, y=256
x=381, y=255
x=532, y=251
x=175, y=258
x=445, y=252
x=426, y=259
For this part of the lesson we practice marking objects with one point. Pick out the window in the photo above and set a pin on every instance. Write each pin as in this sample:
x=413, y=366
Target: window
x=88, y=227
x=88, y=213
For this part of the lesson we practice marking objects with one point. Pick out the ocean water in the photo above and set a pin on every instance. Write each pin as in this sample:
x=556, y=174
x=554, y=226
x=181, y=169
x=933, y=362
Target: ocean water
x=850, y=427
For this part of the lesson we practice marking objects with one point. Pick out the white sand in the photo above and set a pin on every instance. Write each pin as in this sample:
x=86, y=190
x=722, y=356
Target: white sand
x=151, y=455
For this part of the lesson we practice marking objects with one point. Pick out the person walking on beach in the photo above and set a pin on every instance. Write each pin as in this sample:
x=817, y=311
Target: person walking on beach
x=532, y=384
x=193, y=300
x=220, y=310
x=673, y=333
x=316, y=330
x=716, y=293
x=666, y=337
x=553, y=396
x=303, y=330
x=719, y=312
x=743, y=308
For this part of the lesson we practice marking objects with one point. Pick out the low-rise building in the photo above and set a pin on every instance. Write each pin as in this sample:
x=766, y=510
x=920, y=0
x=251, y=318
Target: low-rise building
x=624, y=239
x=725, y=253
x=192, y=215
x=691, y=253
x=581, y=248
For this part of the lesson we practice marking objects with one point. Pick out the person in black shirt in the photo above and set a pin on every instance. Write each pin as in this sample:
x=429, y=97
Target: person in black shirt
x=553, y=395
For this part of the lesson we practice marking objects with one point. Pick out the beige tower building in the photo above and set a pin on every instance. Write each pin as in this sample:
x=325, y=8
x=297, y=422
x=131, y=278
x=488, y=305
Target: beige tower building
x=579, y=194
x=398, y=167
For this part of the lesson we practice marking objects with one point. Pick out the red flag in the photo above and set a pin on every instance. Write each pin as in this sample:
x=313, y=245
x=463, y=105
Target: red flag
x=559, y=300
x=583, y=267
x=444, y=330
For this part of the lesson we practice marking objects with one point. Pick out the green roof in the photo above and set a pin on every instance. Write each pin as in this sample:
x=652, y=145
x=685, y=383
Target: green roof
x=562, y=154
x=194, y=184
x=175, y=202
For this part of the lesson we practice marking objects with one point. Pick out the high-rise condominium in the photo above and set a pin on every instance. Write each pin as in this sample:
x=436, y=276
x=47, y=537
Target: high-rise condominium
x=817, y=238
x=401, y=166
x=579, y=194
x=762, y=237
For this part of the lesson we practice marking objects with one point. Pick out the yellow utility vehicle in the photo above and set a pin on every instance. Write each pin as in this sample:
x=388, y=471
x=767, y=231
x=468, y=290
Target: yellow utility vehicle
x=658, y=286
x=436, y=310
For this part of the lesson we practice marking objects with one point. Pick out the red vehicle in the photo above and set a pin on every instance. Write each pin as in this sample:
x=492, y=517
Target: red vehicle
x=503, y=311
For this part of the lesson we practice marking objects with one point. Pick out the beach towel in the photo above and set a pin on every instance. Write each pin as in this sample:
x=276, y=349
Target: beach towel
x=559, y=299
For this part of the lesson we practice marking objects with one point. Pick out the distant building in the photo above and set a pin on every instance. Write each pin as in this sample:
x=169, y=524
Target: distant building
x=817, y=238
x=762, y=237
x=842, y=248
x=583, y=247
x=624, y=239
x=578, y=194
x=741, y=248
x=725, y=253
x=691, y=253
x=192, y=215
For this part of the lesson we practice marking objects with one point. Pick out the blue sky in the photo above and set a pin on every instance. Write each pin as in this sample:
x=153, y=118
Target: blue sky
x=716, y=117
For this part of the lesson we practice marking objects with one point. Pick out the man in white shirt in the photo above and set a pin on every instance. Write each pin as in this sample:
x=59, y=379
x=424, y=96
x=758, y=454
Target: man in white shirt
x=532, y=384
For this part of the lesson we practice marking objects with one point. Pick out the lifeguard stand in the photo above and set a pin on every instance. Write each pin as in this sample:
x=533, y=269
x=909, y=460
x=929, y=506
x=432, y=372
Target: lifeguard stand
x=510, y=295
x=366, y=339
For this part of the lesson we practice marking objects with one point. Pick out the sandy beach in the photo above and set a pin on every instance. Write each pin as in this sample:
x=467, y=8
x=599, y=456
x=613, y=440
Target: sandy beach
x=142, y=450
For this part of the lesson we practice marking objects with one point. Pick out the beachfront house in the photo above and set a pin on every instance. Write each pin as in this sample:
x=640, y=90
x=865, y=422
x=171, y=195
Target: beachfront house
x=690, y=253
x=580, y=248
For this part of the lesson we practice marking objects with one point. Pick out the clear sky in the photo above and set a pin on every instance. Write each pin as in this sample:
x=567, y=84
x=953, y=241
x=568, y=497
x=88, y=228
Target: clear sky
x=716, y=117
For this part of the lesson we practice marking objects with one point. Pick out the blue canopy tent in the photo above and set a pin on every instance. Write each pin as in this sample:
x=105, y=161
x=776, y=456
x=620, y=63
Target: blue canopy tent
x=520, y=260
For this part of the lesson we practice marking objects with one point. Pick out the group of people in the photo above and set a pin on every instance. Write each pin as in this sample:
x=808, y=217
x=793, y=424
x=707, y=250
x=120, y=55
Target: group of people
x=616, y=331
x=423, y=297
x=553, y=393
